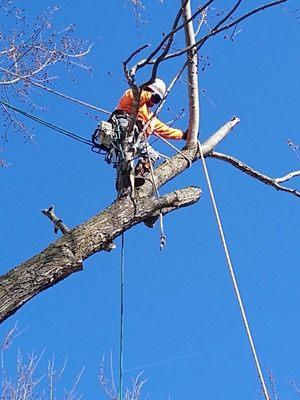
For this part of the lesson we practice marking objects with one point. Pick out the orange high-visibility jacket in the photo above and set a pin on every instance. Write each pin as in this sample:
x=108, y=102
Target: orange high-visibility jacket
x=144, y=115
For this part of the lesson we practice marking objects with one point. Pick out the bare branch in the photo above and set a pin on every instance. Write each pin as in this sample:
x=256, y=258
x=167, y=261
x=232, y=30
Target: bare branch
x=216, y=29
x=166, y=47
x=29, y=50
x=200, y=23
x=178, y=163
x=194, y=106
x=134, y=53
x=247, y=15
x=218, y=136
x=175, y=29
x=287, y=177
x=255, y=174
x=228, y=15
x=58, y=223
x=28, y=80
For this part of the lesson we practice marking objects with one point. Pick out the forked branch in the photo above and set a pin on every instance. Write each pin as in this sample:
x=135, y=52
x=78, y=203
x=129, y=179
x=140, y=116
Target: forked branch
x=274, y=182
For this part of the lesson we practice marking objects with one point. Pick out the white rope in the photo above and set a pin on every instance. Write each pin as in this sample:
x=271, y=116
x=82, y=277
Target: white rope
x=233, y=277
x=173, y=147
x=230, y=266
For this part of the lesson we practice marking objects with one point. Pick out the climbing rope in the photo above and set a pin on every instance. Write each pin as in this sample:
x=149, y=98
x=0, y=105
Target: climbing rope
x=174, y=148
x=230, y=266
x=121, y=343
x=233, y=277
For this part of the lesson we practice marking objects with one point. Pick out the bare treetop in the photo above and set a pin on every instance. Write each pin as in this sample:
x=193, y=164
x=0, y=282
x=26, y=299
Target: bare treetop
x=29, y=51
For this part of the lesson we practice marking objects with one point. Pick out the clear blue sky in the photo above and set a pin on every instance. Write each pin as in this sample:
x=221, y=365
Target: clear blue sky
x=181, y=315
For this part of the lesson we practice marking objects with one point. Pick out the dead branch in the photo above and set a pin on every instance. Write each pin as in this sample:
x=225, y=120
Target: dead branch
x=287, y=177
x=218, y=136
x=258, y=175
x=57, y=222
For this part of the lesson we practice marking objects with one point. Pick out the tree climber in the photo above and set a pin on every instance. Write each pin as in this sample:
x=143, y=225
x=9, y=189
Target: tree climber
x=145, y=124
x=124, y=138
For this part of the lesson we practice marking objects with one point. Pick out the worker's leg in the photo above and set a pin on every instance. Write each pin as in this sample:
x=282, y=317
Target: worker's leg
x=125, y=164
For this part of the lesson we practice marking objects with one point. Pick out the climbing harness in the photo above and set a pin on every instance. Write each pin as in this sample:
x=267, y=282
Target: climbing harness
x=108, y=137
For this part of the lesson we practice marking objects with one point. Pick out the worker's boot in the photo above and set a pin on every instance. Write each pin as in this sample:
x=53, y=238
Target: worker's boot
x=142, y=168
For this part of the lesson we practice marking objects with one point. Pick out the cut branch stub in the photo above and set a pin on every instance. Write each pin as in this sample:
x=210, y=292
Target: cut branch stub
x=58, y=223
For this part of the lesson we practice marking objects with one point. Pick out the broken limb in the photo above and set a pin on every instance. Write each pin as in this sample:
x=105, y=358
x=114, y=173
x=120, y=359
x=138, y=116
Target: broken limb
x=274, y=182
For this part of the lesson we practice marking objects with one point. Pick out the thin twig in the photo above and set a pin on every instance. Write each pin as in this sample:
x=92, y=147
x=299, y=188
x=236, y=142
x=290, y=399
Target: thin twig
x=215, y=31
x=65, y=96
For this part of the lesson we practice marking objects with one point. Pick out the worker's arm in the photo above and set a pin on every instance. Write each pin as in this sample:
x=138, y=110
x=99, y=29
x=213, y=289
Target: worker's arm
x=166, y=131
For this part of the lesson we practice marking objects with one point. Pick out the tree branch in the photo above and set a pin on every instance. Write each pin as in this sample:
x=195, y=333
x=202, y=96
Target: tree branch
x=193, y=90
x=287, y=177
x=178, y=163
x=58, y=223
x=169, y=37
x=258, y=175
x=217, y=29
x=39, y=85
x=65, y=256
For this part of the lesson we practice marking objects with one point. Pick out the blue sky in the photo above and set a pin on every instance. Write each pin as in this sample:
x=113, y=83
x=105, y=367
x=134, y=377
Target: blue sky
x=181, y=315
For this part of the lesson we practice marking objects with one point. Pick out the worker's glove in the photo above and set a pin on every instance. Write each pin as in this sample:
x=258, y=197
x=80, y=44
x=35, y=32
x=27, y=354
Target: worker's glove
x=155, y=98
x=184, y=136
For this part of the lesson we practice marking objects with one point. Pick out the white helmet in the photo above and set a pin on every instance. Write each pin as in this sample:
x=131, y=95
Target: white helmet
x=159, y=87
